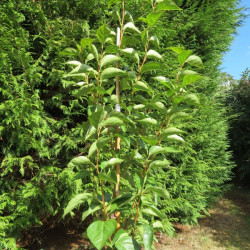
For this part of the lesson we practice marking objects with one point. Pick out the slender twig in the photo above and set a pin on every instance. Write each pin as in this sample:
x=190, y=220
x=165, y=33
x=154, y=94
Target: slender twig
x=140, y=69
x=100, y=181
x=162, y=123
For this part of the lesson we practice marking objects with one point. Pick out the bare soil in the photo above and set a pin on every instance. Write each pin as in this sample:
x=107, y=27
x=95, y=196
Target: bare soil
x=227, y=227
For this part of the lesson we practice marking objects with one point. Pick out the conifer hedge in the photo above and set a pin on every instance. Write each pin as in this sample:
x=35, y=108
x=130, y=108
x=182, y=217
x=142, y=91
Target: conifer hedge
x=42, y=123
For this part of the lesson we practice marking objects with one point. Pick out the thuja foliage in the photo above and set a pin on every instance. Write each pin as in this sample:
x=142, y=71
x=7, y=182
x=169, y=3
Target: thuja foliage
x=132, y=132
x=237, y=99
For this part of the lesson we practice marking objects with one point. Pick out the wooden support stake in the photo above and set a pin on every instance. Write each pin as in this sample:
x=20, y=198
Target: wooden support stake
x=117, y=139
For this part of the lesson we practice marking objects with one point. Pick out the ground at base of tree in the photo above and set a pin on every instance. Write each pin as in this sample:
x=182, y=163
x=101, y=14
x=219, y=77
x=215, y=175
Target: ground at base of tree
x=227, y=227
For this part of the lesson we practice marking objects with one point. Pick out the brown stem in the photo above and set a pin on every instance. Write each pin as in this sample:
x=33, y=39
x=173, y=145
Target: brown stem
x=122, y=22
x=145, y=171
x=140, y=69
x=144, y=59
x=154, y=5
x=168, y=121
x=162, y=123
x=100, y=181
x=92, y=173
x=99, y=68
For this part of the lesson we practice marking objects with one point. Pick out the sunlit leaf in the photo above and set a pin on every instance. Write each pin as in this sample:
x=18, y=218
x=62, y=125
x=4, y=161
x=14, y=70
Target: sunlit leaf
x=99, y=232
x=85, y=89
x=103, y=33
x=153, y=17
x=148, y=121
x=131, y=53
x=131, y=26
x=111, y=72
x=166, y=5
x=149, y=66
x=188, y=79
x=112, y=121
x=109, y=59
x=195, y=61
x=80, y=160
x=153, y=54
x=139, y=85
x=182, y=57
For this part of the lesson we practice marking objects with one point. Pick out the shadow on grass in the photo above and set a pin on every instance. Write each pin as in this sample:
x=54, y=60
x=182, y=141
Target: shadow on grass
x=230, y=220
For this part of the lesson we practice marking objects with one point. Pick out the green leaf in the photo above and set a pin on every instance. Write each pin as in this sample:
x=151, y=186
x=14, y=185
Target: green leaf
x=172, y=131
x=153, y=17
x=144, y=37
x=195, y=61
x=150, y=140
x=148, y=237
x=152, y=210
x=111, y=49
x=166, y=5
x=76, y=201
x=83, y=68
x=103, y=33
x=154, y=150
x=80, y=160
x=157, y=224
x=139, y=106
x=102, y=142
x=191, y=99
x=120, y=201
x=171, y=150
x=131, y=26
x=114, y=161
x=89, y=57
x=123, y=241
x=86, y=42
x=112, y=121
x=159, y=190
x=110, y=90
x=111, y=72
x=188, y=79
x=153, y=54
x=189, y=72
x=183, y=56
x=94, y=51
x=108, y=59
x=74, y=63
x=131, y=53
x=160, y=164
x=180, y=115
x=92, y=209
x=154, y=40
x=177, y=50
x=139, y=85
x=104, y=177
x=148, y=121
x=175, y=138
x=96, y=118
x=99, y=232
x=90, y=132
x=85, y=89
x=161, y=107
x=165, y=81
x=138, y=181
x=69, y=52
x=92, y=149
x=151, y=66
